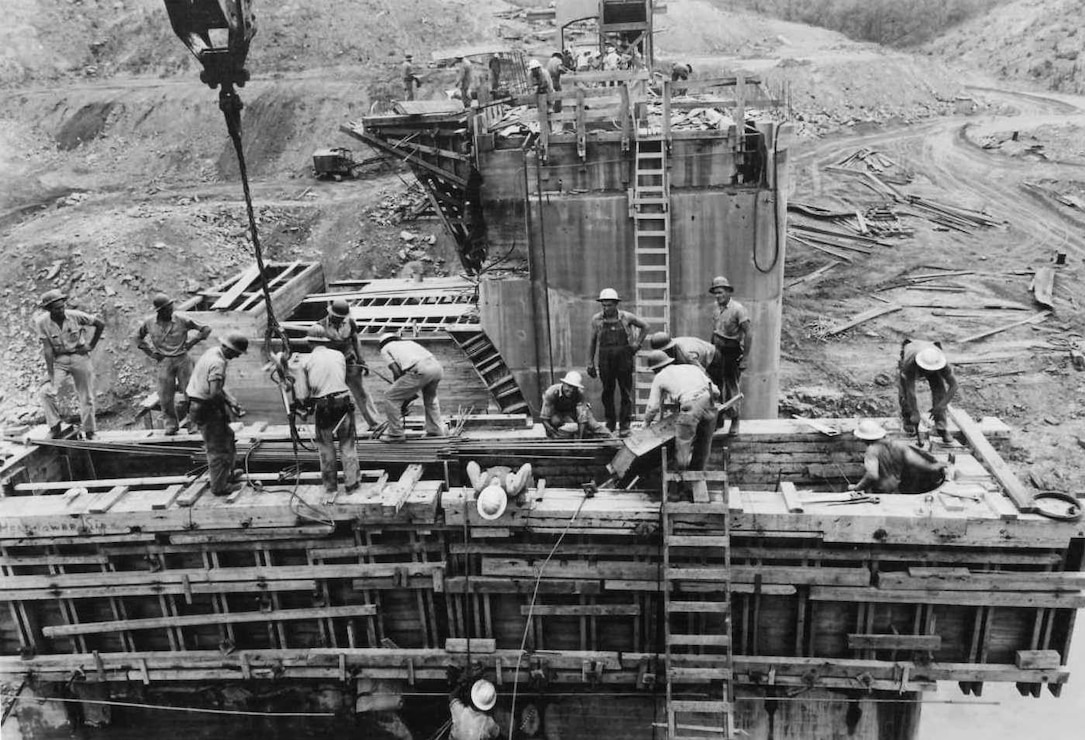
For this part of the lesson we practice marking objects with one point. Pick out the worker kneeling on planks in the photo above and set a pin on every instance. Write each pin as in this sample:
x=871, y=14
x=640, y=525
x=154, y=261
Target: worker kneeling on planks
x=894, y=466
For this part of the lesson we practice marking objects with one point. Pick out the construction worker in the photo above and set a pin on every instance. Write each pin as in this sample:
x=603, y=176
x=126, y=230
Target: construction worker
x=919, y=359
x=611, y=59
x=539, y=78
x=690, y=388
x=414, y=371
x=566, y=415
x=731, y=338
x=67, y=339
x=685, y=350
x=410, y=79
x=343, y=336
x=333, y=412
x=469, y=710
x=617, y=336
x=555, y=68
x=509, y=483
x=894, y=466
x=466, y=80
x=166, y=337
x=210, y=407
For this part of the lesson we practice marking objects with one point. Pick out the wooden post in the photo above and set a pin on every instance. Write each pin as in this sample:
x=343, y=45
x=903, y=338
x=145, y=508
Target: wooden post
x=666, y=132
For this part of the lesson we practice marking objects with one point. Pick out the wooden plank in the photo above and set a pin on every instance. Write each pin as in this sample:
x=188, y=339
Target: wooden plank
x=861, y=318
x=987, y=454
x=1056, y=600
x=582, y=610
x=172, y=492
x=190, y=495
x=393, y=497
x=478, y=645
x=894, y=642
x=969, y=581
x=1043, y=286
x=1034, y=319
x=105, y=501
x=791, y=497
x=240, y=285
x=1037, y=659
x=187, y=620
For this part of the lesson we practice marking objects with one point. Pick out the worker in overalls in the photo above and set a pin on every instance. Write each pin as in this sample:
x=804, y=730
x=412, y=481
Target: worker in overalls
x=731, y=338
x=615, y=336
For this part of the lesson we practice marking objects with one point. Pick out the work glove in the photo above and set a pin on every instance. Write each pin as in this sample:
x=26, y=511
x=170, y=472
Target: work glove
x=592, y=372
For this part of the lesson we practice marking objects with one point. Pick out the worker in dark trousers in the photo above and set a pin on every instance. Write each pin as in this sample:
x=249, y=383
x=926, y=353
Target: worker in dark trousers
x=343, y=336
x=333, y=411
x=555, y=67
x=616, y=336
x=67, y=339
x=410, y=79
x=894, y=466
x=731, y=338
x=166, y=337
x=685, y=350
x=470, y=701
x=566, y=414
x=690, y=388
x=210, y=407
x=415, y=371
x=926, y=360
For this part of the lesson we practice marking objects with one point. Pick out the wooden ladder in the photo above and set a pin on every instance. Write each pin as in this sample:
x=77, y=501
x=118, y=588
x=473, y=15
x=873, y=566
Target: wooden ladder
x=649, y=207
x=697, y=608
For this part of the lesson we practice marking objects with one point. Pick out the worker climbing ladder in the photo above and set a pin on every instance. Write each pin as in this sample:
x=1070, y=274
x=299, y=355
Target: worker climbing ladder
x=697, y=608
x=649, y=208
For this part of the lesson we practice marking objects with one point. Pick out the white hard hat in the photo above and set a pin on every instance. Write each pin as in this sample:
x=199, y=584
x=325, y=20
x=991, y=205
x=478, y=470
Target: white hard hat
x=574, y=379
x=386, y=337
x=569, y=427
x=931, y=359
x=533, y=64
x=869, y=430
x=492, y=501
x=608, y=294
x=483, y=695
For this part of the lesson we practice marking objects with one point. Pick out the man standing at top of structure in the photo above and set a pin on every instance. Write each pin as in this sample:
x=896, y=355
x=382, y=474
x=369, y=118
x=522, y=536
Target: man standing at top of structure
x=333, y=413
x=410, y=79
x=343, y=336
x=919, y=359
x=555, y=67
x=539, y=78
x=415, y=371
x=616, y=335
x=731, y=338
x=164, y=337
x=466, y=80
x=210, y=406
x=67, y=339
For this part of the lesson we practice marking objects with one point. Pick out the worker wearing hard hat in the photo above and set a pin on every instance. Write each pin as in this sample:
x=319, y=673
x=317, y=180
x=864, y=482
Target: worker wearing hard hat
x=685, y=350
x=688, y=387
x=919, y=359
x=210, y=407
x=67, y=339
x=566, y=414
x=894, y=466
x=539, y=78
x=343, y=336
x=615, y=338
x=731, y=338
x=333, y=413
x=414, y=370
x=166, y=337
x=410, y=79
x=469, y=709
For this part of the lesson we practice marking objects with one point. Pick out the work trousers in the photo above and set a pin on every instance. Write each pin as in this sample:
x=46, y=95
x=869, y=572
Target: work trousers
x=408, y=89
x=909, y=407
x=80, y=369
x=616, y=370
x=725, y=371
x=422, y=378
x=172, y=374
x=362, y=399
x=334, y=417
x=693, y=432
x=218, y=440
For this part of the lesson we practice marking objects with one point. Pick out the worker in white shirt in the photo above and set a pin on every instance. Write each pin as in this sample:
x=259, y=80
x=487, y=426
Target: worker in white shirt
x=333, y=410
x=414, y=370
x=689, y=387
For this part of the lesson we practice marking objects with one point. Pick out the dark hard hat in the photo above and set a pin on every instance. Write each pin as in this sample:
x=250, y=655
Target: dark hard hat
x=236, y=341
x=50, y=297
x=161, y=300
x=658, y=359
x=339, y=308
x=661, y=340
x=720, y=283
x=316, y=334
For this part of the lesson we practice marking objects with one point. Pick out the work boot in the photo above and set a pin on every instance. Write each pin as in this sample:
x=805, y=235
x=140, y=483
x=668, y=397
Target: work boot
x=733, y=429
x=946, y=436
x=230, y=490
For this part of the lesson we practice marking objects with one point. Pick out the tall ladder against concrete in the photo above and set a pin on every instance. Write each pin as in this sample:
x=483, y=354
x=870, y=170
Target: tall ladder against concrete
x=650, y=209
x=697, y=605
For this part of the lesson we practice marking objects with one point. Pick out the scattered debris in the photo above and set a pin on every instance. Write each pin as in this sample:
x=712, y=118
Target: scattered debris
x=1034, y=319
x=862, y=318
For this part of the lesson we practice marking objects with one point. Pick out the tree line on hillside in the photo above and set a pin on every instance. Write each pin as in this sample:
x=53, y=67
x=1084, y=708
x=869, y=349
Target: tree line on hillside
x=896, y=23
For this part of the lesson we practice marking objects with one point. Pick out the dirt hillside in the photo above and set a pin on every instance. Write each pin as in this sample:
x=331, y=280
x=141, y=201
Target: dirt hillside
x=1036, y=41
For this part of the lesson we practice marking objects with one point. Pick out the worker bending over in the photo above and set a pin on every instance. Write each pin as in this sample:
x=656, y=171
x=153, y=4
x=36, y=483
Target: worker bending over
x=731, y=338
x=894, y=466
x=690, y=388
x=343, y=336
x=470, y=708
x=414, y=370
x=566, y=415
x=925, y=360
x=210, y=406
x=67, y=339
x=685, y=350
x=616, y=336
x=333, y=412
x=166, y=337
